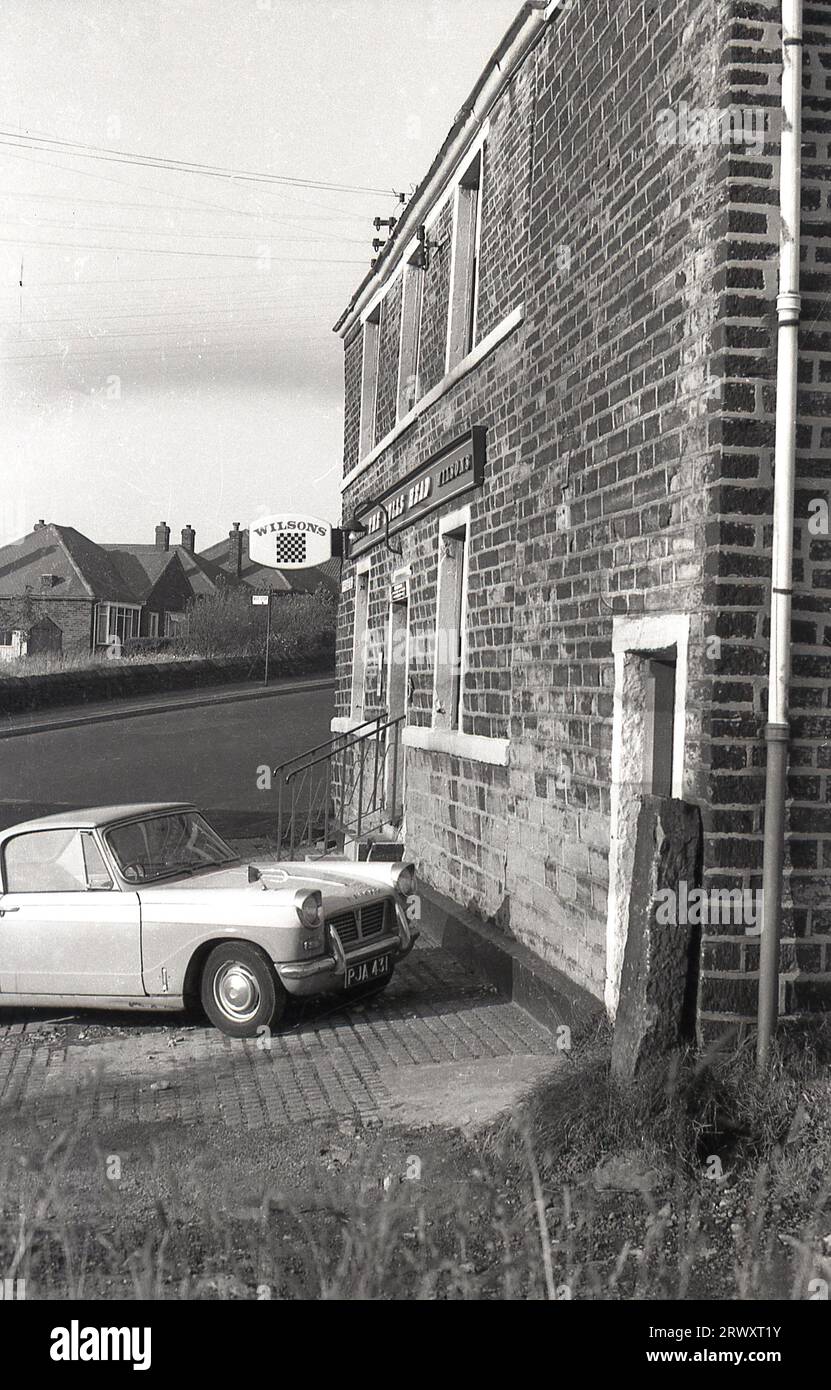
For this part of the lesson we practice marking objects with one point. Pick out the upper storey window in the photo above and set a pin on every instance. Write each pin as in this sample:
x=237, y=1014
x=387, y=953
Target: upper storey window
x=369, y=379
x=464, y=270
x=411, y=302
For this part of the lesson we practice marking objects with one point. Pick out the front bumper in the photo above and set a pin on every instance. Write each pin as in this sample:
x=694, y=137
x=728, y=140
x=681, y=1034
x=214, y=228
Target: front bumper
x=324, y=974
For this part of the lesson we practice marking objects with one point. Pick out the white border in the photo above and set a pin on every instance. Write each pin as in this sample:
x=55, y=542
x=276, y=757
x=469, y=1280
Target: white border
x=454, y=521
x=474, y=746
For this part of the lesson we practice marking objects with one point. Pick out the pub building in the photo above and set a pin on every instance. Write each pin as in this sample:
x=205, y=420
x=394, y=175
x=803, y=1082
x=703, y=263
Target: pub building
x=557, y=499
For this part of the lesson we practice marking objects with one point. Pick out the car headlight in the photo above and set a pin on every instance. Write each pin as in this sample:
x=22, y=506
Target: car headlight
x=309, y=907
x=403, y=879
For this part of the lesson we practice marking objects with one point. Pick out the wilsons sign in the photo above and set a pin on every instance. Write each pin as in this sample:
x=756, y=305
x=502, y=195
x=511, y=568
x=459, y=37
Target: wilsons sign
x=457, y=469
x=290, y=541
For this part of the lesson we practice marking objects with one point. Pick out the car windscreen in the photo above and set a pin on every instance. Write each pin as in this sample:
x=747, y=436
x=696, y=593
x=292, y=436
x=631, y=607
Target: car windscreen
x=160, y=846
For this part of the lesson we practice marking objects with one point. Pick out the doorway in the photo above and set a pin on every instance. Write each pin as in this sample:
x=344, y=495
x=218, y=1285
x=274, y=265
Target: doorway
x=398, y=687
x=648, y=737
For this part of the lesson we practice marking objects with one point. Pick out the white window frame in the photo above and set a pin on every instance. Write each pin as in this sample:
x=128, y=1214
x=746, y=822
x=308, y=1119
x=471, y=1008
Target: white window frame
x=637, y=637
x=106, y=611
x=465, y=263
x=370, y=364
x=445, y=717
x=412, y=302
x=360, y=628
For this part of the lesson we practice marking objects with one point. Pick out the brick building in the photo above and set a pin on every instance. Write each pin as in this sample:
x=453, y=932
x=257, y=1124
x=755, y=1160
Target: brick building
x=62, y=593
x=559, y=423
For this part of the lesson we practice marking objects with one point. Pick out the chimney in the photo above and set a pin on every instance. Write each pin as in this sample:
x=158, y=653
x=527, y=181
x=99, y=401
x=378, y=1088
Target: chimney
x=188, y=539
x=39, y=525
x=162, y=536
x=235, y=551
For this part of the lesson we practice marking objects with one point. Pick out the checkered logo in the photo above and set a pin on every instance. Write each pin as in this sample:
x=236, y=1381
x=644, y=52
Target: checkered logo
x=290, y=548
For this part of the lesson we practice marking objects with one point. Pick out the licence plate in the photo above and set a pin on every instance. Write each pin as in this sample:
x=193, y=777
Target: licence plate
x=367, y=971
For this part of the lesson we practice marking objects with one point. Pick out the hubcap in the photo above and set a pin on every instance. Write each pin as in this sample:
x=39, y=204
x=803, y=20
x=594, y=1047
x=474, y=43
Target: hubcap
x=236, y=992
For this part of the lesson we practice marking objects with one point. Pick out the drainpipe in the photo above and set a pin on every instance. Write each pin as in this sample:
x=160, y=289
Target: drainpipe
x=776, y=729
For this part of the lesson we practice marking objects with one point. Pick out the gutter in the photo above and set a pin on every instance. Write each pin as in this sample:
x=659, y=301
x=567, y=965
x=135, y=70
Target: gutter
x=777, y=731
x=521, y=36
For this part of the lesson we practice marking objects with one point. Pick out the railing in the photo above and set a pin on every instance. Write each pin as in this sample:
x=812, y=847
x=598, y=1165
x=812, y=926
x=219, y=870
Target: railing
x=341, y=790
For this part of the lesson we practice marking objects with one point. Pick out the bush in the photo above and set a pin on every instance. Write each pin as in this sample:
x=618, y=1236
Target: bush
x=229, y=624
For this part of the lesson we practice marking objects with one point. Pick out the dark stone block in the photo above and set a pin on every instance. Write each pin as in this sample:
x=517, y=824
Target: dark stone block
x=657, y=991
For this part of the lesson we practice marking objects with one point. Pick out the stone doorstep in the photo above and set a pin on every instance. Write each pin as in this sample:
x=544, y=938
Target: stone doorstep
x=515, y=971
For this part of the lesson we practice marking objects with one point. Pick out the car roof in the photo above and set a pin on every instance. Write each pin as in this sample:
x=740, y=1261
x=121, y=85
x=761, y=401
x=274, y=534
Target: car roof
x=94, y=817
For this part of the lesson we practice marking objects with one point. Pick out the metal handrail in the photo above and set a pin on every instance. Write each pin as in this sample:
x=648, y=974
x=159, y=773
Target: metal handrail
x=327, y=743
x=399, y=718
x=318, y=808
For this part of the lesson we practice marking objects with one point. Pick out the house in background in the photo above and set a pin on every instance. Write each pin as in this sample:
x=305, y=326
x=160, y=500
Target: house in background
x=166, y=577
x=63, y=594
x=232, y=558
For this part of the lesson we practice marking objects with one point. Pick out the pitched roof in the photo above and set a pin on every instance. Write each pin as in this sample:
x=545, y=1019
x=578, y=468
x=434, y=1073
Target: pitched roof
x=202, y=575
x=141, y=571
x=263, y=576
x=79, y=568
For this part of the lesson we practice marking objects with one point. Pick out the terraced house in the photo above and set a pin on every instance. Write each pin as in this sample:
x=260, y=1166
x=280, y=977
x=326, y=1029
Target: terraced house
x=560, y=397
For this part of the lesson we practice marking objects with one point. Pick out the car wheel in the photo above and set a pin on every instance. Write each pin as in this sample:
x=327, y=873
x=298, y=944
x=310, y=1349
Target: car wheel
x=240, y=991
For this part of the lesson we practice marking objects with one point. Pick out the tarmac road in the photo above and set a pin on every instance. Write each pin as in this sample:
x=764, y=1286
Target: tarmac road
x=208, y=754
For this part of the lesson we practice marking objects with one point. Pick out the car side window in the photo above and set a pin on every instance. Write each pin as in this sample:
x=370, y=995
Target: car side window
x=45, y=861
x=98, y=876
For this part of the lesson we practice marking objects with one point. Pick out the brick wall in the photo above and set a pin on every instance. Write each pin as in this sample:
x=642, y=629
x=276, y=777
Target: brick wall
x=739, y=535
x=73, y=617
x=628, y=473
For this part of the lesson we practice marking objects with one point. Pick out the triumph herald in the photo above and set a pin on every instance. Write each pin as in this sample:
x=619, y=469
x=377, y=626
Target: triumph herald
x=147, y=907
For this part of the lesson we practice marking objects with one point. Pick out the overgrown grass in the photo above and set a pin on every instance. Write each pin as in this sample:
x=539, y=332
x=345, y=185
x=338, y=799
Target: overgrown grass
x=678, y=1112
x=519, y=1218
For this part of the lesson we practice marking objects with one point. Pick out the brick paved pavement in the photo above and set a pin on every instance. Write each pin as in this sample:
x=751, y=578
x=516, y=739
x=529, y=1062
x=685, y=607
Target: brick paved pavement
x=331, y=1062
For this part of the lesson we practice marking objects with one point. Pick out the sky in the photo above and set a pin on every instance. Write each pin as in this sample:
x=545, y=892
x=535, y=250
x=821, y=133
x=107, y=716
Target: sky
x=170, y=354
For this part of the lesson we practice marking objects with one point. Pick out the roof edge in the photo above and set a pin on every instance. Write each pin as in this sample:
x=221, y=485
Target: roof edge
x=500, y=68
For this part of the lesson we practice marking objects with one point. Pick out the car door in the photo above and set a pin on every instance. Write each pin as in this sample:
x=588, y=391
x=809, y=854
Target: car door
x=65, y=925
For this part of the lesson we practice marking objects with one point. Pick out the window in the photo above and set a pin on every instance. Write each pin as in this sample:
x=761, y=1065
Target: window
x=450, y=624
x=152, y=624
x=410, y=338
x=464, y=269
x=369, y=379
x=45, y=861
x=164, y=846
x=115, y=622
x=659, y=731
x=359, y=641
x=5, y=636
x=97, y=873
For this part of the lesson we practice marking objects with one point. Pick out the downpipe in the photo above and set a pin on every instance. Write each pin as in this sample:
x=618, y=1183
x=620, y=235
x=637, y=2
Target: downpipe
x=777, y=730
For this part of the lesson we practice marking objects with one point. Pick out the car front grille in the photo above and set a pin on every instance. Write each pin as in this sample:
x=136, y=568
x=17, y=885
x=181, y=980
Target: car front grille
x=362, y=925
x=372, y=919
x=346, y=926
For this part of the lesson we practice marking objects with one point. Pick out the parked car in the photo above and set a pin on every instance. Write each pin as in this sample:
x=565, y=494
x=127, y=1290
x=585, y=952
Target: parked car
x=147, y=907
